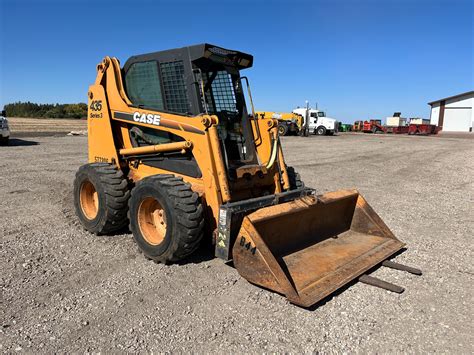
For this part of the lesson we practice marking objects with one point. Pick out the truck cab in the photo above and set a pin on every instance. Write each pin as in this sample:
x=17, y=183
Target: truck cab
x=4, y=129
x=318, y=122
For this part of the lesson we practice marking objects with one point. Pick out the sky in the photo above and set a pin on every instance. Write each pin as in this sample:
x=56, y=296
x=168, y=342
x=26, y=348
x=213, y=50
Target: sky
x=356, y=59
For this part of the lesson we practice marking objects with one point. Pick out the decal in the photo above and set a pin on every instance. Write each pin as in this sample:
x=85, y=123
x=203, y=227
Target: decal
x=148, y=118
x=154, y=119
x=96, y=105
x=101, y=160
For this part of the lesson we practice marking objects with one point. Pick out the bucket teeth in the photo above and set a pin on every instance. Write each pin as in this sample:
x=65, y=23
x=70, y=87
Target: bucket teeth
x=397, y=266
x=373, y=281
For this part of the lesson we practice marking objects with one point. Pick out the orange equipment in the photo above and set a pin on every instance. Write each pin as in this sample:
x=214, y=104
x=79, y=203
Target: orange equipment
x=174, y=154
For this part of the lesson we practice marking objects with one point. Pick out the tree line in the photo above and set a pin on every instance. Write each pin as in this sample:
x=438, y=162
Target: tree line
x=30, y=109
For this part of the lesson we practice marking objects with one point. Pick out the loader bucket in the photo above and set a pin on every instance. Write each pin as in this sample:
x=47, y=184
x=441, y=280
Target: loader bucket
x=308, y=248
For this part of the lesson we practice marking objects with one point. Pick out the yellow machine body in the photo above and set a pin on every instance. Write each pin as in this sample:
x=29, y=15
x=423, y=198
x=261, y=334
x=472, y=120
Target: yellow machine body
x=293, y=242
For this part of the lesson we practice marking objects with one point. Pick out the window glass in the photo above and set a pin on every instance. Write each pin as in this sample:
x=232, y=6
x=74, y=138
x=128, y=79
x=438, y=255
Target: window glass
x=314, y=114
x=321, y=114
x=143, y=136
x=143, y=85
x=176, y=99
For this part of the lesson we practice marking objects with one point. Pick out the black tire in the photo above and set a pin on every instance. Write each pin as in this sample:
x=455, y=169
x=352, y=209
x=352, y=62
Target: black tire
x=112, y=194
x=295, y=178
x=183, y=212
x=4, y=141
x=320, y=131
x=282, y=129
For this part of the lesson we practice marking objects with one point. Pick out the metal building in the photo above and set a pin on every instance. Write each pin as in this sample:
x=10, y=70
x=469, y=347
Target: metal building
x=454, y=113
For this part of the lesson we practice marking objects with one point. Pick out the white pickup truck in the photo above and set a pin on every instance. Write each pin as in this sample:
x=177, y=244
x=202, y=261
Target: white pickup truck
x=318, y=122
x=4, y=129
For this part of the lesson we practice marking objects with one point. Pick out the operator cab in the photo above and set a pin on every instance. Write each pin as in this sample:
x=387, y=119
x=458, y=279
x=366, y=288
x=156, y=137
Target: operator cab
x=195, y=80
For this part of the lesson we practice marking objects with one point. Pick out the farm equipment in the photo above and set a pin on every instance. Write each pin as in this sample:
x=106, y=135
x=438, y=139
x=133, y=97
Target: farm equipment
x=288, y=123
x=357, y=126
x=396, y=124
x=344, y=127
x=422, y=129
x=174, y=154
x=421, y=126
x=373, y=126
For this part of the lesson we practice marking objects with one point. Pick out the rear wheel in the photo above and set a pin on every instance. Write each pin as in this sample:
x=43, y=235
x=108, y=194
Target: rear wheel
x=321, y=131
x=282, y=129
x=100, y=198
x=295, y=178
x=166, y=218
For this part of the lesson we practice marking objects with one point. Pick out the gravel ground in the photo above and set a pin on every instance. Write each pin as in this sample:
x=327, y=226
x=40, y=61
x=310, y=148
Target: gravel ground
x=65, y=290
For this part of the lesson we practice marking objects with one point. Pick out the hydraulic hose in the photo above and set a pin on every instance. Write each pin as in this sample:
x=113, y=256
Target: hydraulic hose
x=273, y=155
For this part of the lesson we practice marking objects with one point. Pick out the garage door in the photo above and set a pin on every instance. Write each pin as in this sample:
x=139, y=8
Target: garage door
x=457, y=119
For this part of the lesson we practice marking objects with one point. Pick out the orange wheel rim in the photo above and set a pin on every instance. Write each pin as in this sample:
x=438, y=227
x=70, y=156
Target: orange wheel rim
x=89, y=200
x=152, y=221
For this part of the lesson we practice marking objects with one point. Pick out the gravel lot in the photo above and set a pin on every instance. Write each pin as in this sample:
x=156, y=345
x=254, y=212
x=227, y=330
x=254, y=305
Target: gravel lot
x=65, y=290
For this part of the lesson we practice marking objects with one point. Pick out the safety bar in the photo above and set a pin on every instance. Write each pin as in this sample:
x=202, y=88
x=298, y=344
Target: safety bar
x=158, y=148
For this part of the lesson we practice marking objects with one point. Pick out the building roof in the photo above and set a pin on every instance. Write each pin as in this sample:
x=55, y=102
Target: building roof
x=452, y=97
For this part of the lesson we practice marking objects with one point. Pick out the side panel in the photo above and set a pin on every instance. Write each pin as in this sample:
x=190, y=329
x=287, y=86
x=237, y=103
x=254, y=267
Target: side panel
x=100, y=138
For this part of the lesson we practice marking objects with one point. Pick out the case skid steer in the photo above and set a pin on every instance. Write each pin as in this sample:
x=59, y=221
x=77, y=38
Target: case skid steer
x=174, y=154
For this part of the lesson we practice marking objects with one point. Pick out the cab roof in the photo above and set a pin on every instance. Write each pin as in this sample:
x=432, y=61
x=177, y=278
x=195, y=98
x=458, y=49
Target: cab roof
x=203, y=54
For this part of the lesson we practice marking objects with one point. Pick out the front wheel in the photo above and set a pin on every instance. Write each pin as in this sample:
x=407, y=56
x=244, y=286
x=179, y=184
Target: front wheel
x=282, y=129
x=321, y=131
x=295, y=178
x=166, y=218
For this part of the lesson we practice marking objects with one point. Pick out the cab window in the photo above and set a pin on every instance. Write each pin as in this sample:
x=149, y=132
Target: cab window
x=158, y=86
x=144, y=86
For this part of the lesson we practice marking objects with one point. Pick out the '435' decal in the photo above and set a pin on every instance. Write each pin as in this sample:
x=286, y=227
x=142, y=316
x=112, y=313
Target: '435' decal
x=96, y=105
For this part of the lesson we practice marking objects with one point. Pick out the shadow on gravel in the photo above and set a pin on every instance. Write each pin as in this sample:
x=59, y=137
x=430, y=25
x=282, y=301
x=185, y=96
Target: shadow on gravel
x=204, y=253
x=16, y=142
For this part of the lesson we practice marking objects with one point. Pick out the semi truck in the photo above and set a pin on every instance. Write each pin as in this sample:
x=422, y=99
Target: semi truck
x=318, y=122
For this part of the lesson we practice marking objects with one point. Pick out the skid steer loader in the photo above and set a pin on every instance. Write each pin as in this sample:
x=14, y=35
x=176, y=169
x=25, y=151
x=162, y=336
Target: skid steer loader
x=174, y=154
